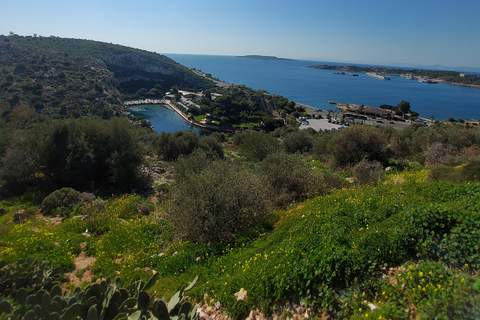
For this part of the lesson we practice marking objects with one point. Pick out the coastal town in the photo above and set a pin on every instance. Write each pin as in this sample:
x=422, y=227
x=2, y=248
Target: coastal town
x=342, y=116
x=421, y=75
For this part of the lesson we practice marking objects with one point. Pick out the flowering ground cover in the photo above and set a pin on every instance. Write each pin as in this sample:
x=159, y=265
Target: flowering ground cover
x=402, y=248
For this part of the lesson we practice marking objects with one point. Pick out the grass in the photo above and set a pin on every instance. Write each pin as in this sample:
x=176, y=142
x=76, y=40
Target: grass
x=402, y=244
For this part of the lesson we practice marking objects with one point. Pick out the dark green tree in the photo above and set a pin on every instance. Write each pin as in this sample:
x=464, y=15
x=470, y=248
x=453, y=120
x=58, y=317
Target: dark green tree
x=404, y=107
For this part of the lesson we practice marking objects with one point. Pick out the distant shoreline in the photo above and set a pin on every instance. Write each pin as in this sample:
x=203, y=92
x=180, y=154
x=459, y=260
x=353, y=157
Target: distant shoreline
x=422, y=75
x=260, y=57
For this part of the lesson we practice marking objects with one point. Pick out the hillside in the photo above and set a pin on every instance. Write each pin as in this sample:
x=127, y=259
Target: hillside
x=402, y=249
x=73, y=77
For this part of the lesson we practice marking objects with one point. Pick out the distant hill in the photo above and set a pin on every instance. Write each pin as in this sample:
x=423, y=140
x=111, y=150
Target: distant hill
x=72, y=77
x=260, y=57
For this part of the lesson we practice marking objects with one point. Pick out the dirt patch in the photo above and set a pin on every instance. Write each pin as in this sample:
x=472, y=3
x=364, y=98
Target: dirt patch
x=82, y=272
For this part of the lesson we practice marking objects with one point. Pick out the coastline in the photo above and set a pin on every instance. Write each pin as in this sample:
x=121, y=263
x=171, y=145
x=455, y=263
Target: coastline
x=169, y=104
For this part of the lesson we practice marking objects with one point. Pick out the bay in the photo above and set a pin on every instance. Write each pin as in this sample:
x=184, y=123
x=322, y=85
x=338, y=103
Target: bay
x=163, y=119
x=314, y=87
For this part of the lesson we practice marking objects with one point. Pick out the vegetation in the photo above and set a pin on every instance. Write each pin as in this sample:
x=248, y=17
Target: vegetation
x=240, y=106
x=360, y=222
x=104, y=300
x=83, y=154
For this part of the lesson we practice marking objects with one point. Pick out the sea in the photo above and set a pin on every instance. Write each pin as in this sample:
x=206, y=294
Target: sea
x=316, y=87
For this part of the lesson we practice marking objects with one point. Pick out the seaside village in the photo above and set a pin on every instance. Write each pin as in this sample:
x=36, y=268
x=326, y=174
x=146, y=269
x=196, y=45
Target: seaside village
x=339, y=117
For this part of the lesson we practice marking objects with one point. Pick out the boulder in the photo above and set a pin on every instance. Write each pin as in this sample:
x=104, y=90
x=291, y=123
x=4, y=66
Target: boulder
x=20, y=216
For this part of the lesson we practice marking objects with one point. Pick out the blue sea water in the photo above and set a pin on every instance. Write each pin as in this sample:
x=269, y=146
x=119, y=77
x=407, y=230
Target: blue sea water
x=314, y=87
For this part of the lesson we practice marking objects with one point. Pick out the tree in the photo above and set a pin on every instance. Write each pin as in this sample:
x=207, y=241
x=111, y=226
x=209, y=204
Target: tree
x=173, y=145
x=404, y=107
x=298, y=141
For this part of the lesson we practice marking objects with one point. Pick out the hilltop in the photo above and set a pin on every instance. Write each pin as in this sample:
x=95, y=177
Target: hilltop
x=73, y=77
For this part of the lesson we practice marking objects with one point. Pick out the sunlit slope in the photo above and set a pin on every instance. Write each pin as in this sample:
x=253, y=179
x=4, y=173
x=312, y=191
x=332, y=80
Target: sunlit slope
x=333, y=251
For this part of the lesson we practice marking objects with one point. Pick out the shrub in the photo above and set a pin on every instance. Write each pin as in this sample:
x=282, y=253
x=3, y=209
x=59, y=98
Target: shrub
x=298, y=141
x=437, y=153
x=192, y=164
x=103, y=217
x=290, y=177
x=354, y=144
x=217, y=203
x=320, y=144
x=60, y=202
x=368, y=172
x=211, y=146
x=170, y=146
x=256, y=146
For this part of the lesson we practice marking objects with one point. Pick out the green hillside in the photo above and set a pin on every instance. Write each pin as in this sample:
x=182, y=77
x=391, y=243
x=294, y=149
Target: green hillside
x=71, y=77
x=403, y=248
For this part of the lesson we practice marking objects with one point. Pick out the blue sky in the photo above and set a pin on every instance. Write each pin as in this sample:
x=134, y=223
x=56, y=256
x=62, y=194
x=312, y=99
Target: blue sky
x=423, y=32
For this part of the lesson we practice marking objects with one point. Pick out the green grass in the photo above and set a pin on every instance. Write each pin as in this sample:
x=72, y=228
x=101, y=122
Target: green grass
x=376, y=244
x=199, y=118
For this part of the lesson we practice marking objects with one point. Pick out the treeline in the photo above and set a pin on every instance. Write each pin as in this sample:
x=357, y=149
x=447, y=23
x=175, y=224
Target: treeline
x=225, y=184
x=97, y=155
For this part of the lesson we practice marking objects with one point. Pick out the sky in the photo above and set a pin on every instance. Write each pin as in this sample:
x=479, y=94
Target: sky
x=390, y=32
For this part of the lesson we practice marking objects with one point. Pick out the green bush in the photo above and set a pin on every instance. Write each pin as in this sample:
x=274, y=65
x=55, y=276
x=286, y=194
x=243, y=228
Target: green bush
x=298, y=141
x=171, y=146
x=211, y=146
x=60, y=202
x=290, y=177
x=217, y=203
x=193, y=164
x=83, y=154
x=103, y=217
x=256, y=146
x=354, y=144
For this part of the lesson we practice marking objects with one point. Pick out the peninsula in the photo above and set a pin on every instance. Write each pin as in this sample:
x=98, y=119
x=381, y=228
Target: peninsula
x=260, y=57
x=422, y=75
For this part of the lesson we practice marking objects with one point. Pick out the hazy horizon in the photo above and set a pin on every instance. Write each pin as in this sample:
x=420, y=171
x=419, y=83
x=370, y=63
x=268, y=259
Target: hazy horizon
x=403, y=33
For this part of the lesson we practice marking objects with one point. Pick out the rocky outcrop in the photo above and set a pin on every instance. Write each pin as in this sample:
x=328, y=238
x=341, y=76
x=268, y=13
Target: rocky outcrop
x=150, y=67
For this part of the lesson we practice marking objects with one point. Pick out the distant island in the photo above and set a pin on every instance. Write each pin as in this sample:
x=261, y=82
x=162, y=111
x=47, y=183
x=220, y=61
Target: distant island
x=260, y=57
x=422, y=75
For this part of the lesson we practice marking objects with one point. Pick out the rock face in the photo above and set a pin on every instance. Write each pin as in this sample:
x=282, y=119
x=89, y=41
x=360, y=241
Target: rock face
x=143, y=66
